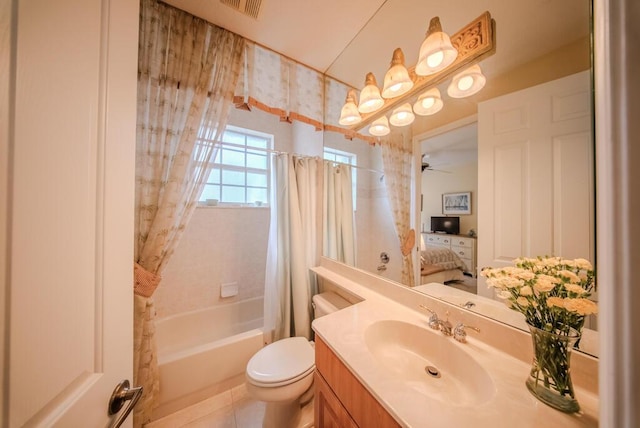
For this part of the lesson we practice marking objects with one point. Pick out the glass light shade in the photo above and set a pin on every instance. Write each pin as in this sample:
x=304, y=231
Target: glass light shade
x=349, y=114
x=436, y=52
x=380, y=127
x=397, y=81
x=370, y=98
x=428, y=103
x=402, y=116
x=467, y=83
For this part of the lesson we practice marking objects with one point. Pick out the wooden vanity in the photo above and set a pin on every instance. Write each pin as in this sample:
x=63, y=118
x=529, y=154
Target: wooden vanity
x=363, y=379
x=341, y=401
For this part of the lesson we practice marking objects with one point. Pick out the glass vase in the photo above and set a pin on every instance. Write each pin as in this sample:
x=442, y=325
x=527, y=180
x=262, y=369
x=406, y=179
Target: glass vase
x=550, y=376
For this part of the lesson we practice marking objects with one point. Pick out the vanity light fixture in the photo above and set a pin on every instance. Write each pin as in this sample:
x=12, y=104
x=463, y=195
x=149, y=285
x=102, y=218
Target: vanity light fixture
x=380, y=127
x=402, y=116
x=436, y=52
x=397, y=81
x=428, y=103
x=370, y=98
x=349, y=114
x=467, y=83
x=440, y=58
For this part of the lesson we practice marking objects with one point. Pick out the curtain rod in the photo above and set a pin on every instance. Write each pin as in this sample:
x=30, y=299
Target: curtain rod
x=280, y=152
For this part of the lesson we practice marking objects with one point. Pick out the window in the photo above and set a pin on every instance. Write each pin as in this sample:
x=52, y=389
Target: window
x=240, y=173
x=340, y=156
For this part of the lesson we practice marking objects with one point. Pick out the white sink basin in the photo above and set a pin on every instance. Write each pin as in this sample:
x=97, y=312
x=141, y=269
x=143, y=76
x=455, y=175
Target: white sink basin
x=406, y=350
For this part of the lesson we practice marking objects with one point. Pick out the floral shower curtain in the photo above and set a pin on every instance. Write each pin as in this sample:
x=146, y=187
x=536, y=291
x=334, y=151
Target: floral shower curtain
x=187, y=71
x=397, y=161
x=339, y=241
x=293, y=246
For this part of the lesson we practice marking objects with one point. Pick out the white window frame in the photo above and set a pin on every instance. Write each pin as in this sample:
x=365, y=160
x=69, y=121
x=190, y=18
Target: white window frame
x=244, y=169
x=331, y=154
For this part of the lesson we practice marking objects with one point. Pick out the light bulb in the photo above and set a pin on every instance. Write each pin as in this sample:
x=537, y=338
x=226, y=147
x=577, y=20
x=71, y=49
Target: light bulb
x=402, y=116
x=380, y=127
x=395, y=88
x=428, y=102
x=370, y=99
x=435, y=59
x=465, y=83
x=436, y=52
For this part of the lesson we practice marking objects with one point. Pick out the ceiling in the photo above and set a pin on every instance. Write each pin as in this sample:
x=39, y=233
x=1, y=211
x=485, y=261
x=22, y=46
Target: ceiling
x=456, y=147
x=347, y=39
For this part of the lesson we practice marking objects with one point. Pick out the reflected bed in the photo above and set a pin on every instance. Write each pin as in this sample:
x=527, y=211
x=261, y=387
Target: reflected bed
x=440, y=265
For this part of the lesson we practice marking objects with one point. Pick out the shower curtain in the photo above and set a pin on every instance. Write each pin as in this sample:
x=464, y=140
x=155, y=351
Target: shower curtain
x=293, y=245
x=338, y=218
x=187, y=71
x=397, y=159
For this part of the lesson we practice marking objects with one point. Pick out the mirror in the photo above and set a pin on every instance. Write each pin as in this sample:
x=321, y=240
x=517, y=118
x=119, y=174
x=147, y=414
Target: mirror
x=537, y=42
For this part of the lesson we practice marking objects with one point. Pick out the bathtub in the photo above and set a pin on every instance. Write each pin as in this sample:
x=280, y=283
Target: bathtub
x=205, y=351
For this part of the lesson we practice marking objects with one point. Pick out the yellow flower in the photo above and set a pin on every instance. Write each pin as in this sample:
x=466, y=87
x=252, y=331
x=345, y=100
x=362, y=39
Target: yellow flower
x=543, y=285
x=574, y=288
x=581, y=306
x=526, y=291
x=525, y=275
x=549, y=278
x=522, y=301
x=551, y=261
x=583, y=264
x=573, y=278
x=558, y=302
x=509, y=282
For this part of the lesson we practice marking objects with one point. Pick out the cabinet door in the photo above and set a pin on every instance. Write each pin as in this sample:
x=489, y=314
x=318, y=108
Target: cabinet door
x=329, y=412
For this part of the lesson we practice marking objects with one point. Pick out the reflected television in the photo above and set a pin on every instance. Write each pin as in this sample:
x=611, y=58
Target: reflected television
x=450, y=225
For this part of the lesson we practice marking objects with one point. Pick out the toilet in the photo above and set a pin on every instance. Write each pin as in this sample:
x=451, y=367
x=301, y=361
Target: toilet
x=281, y=373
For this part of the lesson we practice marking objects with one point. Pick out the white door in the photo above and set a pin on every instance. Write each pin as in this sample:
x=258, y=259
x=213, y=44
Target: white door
x=70, y=194
x=535, y=174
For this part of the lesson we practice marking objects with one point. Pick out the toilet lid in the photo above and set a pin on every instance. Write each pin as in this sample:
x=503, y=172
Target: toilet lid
x=286, y=359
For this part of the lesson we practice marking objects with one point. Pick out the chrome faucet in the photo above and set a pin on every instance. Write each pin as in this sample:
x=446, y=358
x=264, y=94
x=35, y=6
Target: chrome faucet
x=436, y=323
x=460, y=332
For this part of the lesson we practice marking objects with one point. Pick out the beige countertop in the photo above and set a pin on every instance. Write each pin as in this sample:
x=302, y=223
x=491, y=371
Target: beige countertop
x=507, y=402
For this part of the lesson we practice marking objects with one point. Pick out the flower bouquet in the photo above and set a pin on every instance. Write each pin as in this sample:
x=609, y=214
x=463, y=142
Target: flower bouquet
x=553, y=295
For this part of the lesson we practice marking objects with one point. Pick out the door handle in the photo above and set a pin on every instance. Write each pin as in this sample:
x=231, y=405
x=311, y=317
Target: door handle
x=120, y=395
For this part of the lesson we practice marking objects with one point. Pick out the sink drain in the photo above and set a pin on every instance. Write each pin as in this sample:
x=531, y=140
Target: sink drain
x=432, y=371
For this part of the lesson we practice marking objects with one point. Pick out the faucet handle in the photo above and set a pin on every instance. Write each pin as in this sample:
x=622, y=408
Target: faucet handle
x=445, y=326
x=460, y=332
x=434, y=322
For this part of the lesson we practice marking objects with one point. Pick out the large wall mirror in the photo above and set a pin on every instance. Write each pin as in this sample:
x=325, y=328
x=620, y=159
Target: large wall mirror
x=537, y=42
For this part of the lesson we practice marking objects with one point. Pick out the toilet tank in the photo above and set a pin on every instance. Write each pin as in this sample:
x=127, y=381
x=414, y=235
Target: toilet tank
x=326, y=303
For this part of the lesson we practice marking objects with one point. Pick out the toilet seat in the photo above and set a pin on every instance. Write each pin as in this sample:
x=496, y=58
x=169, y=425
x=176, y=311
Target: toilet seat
x=281, y=363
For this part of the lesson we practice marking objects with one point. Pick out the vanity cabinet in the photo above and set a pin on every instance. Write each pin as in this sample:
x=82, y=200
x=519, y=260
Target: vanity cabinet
x=463, y=246
x=341, y=401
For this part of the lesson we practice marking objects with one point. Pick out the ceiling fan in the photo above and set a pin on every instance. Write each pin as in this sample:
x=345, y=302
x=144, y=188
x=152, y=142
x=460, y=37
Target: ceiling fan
x=427, y=167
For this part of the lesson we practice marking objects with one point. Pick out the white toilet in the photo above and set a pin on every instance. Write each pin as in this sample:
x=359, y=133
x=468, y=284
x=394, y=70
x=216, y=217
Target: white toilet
x=281, y=374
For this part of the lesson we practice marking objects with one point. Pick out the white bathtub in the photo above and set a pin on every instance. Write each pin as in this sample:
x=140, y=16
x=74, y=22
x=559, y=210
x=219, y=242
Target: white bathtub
x=200, y=350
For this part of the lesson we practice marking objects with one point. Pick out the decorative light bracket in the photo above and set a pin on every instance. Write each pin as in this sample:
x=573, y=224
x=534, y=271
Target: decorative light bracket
x=474, y=42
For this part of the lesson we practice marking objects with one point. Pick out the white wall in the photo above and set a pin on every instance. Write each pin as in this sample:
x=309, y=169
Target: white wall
x=375, y=231
x=228, y=244
x=461, y=178
x=220, y=245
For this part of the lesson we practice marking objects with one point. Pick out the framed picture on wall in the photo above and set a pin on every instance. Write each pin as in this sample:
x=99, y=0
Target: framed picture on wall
x=456, y=203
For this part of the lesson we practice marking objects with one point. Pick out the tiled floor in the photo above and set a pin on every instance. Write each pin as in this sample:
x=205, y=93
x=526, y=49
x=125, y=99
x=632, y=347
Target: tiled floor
x=231, y=409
